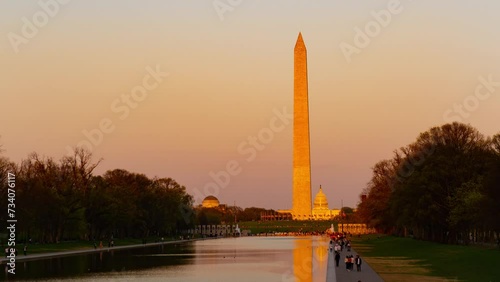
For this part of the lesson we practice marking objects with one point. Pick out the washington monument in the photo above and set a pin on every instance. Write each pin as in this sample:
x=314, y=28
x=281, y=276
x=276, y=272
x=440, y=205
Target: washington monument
x=301, y=198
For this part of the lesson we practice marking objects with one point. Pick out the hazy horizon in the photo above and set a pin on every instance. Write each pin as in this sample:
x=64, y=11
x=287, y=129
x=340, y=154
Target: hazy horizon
x=229, y=73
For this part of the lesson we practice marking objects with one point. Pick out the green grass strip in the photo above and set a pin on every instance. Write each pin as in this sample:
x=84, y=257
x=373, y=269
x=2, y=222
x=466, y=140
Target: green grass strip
x=465, y=263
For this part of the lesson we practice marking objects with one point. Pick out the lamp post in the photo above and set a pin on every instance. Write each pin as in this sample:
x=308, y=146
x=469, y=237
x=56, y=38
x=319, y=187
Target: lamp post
x=342, y=214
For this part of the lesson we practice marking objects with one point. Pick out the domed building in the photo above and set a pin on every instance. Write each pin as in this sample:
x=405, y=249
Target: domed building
x=320, y=209
x=320, y=201
x=210, y=202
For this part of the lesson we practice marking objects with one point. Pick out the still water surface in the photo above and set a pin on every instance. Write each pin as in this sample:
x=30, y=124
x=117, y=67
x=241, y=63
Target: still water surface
x=232, y=259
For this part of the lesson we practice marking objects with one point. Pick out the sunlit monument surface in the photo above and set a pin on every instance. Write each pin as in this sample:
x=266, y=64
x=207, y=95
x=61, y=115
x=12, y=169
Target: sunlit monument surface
x=301, y=197
x=301, y=183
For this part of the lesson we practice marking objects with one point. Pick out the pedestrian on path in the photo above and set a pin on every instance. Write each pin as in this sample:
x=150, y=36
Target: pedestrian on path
x=358, y=263
x=25, y=249
x=337, y=258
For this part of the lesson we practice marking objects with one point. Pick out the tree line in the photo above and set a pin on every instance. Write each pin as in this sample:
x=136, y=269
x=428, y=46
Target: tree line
x=65, y=200
x=61, y=200
x=229, y=214
x=443, y=187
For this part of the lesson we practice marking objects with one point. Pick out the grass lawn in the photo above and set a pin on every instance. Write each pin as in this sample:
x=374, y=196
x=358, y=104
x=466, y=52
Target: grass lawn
x=406, y=259
x=79, y=245
x=286, y=226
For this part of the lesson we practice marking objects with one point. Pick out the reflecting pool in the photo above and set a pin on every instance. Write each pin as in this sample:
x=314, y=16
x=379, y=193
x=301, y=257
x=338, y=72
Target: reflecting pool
x=241, y=259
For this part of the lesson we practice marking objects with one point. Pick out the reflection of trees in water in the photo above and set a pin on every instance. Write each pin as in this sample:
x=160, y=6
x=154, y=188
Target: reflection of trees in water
x=105, y=261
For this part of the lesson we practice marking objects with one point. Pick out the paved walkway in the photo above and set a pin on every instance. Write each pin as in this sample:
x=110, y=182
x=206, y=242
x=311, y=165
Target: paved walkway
x=21, y=257
x=340, y=274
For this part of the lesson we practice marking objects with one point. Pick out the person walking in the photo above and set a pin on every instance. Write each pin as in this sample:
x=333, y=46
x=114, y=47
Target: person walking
x=358, y=263
x=337, y=258
x=25, y=249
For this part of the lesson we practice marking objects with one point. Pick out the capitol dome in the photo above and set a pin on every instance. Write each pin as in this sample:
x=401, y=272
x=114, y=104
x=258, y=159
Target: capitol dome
x=210, y=202
x=320, y=201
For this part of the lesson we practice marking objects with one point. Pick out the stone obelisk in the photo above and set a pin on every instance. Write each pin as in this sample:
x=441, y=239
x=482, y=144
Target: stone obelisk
x=301, y=201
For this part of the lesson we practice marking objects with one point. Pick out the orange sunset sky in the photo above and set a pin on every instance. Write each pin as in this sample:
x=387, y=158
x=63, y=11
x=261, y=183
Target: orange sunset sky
x=230, y=68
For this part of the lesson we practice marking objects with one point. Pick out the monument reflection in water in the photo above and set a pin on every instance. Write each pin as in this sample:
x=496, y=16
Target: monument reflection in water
x=310, y=257
x=287, y=259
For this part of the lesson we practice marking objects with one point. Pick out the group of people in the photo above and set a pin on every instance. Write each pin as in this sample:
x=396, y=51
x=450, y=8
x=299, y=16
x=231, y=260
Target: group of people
x=349, y=259
x=111, y=243
x=340, y=244
x=7, y=251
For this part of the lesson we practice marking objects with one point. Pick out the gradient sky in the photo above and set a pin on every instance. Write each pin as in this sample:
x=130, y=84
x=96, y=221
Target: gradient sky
x=227, y=76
